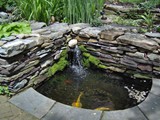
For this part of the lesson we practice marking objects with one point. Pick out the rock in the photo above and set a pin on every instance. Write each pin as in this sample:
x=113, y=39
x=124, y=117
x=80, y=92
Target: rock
x=72, y=43
x=18, y=86
x=60, y=27
x=46, y=63
x=154, y=57
x=90, y=32
x=142, y=76
x=145, y=67
x=12, y=48
x=139, y=41
x=110, y=34
x=156, y=68
x=2, y=43
x=156, y=35
x=116, y=69
x=137, y=54
x=127, y=49
x=78, y=26
x=37, y=25
x=57, y=54
x=39, y=31
x=43, y=71
x=30, y=42
x=101, y=41
x=10, y=38
x=55, y=35
x=128, y=62
x=81, y=39
x=43, y=51
x=4, y=15
x=3, y=61
x=111, y=49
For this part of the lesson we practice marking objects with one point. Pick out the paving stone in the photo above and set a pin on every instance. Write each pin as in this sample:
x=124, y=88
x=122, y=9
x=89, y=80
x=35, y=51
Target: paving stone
x=151, y=107
x=65, y=112
x=155, y=86
x=127, y=114
x=33, y=102
x=5, y=110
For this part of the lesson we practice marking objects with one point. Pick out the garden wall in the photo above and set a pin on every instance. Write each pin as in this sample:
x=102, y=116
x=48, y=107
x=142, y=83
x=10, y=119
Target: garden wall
x=24, y=59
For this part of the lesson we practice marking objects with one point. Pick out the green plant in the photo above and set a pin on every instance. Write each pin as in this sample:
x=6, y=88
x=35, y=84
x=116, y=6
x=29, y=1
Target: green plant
x=4, y=90
x=14, y=28
x=132, y=1
x=40, y=10
x=7, y=4
x=148, y=18
x=82, y=10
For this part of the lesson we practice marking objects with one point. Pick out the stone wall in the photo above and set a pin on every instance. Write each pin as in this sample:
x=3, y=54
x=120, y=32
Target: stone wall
x=24, y=59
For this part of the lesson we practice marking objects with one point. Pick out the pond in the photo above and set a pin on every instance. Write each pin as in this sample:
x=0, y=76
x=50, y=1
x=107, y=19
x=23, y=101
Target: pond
x=95, y=89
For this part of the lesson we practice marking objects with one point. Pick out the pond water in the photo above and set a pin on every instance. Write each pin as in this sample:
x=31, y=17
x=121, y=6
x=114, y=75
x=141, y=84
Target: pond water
x=98, y=88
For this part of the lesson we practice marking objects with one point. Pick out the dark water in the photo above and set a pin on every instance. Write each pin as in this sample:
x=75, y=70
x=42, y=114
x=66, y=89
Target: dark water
x=100, y=89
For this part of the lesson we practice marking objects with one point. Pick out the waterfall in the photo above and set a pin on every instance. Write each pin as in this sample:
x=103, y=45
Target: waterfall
x=75, y=60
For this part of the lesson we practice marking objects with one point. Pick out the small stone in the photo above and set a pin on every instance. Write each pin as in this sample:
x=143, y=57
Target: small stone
x=72, y=43
x=4, y=15
x=156, y=35
x=154, y=57
x=37, y=25
x=145, y=67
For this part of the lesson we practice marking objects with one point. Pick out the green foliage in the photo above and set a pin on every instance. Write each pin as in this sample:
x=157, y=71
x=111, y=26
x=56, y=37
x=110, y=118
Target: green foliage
x=132, y=1
x=64, y=53
x=59, y=66
x=158, y=29
x=87, y=11
x=4, y=90
x=89, y=60
x=82, y=48
x=14, y=28
x=40, y=10
x=130, y=22
x=6, y=4
x=149, y=4
x=148, y=18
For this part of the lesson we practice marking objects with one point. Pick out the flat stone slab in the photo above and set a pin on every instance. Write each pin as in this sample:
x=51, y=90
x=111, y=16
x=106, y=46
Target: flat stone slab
x=33, y=102
x=151, y=107
x=65, y=112
x=127, y=114
x=155, y=86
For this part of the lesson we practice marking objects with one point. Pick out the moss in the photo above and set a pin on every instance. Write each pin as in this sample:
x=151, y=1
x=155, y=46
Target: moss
x=82, y=48
x=102, y=66
x=59, y=66
x=64, y=53
x=4, y=90
x=94, y=60
x=89, y=59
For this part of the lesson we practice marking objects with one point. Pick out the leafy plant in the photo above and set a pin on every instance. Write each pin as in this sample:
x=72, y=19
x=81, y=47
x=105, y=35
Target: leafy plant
x=14, y=28
x=148, y=18
x=40, y=10
x=4, y=90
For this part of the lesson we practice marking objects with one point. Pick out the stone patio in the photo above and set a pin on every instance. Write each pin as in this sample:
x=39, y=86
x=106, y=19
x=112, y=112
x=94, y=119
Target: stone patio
x=31, y=105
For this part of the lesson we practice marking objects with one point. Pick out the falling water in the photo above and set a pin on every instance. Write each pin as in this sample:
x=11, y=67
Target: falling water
x=76, y=65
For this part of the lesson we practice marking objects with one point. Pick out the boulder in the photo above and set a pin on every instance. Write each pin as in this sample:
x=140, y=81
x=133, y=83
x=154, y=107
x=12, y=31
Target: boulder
x=139, y=41
x=72, y=43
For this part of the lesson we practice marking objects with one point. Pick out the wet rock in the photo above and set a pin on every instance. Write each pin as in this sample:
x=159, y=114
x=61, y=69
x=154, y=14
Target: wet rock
x=139, y=41
x=111, y=49
x=57, y=54
x=37, y=25
x=116, y=69
x=128, y=62
x=127, y=49
x=137, y=54
x=72, y=43
x=46, y=63
x=110, y=34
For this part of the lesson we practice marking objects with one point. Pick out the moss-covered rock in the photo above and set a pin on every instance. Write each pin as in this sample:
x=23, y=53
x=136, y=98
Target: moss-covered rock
x=82, y=48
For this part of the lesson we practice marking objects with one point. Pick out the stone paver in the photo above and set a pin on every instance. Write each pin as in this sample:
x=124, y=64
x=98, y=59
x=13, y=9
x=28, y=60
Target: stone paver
x=9, y=111
x=156, y=87
x=65, y=112
x=151, y=107
x=127, y=114
x=33, y=102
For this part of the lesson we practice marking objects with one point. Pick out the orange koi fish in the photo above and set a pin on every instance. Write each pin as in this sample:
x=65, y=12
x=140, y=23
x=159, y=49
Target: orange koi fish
x=78, y=103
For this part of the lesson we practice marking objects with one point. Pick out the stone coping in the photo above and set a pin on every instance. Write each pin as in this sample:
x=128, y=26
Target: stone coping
x=46, y=109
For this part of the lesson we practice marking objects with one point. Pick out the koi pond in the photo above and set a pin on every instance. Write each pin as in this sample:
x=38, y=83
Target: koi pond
x=95, y=89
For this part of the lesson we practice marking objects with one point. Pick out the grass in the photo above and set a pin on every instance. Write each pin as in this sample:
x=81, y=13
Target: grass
x=39, y=10
x=132, y=1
